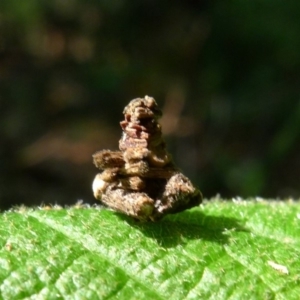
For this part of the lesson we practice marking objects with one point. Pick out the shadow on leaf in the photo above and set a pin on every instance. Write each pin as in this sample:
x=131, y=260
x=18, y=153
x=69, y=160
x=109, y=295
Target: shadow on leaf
x=177, y=229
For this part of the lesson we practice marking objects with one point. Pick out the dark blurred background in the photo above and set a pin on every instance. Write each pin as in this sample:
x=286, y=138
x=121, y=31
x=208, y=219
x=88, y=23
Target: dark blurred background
x=225, y=73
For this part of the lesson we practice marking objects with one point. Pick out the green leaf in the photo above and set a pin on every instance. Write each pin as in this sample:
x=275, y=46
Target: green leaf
x=220, y=250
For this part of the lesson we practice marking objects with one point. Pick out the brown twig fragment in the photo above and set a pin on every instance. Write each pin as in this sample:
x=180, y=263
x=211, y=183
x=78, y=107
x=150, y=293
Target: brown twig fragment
x=141, y=179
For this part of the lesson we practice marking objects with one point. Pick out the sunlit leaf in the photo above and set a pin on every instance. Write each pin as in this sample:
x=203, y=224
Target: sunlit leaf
x=220, y=250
